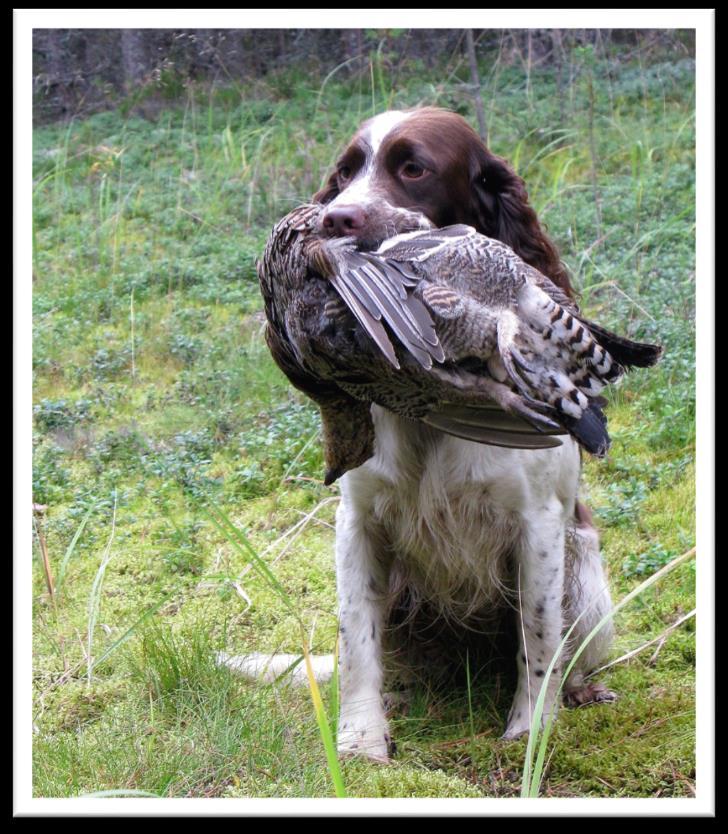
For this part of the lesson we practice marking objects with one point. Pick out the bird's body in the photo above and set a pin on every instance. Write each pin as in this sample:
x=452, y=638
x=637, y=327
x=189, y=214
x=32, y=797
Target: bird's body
x=477, y=343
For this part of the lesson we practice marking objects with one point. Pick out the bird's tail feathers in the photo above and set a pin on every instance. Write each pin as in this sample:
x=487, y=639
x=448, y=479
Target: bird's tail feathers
x=495, y=427
x=590, y=430
x=625, y=351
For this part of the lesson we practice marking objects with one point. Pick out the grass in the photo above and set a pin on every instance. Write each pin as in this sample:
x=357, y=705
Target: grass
x=533, y=768
x=155, y=398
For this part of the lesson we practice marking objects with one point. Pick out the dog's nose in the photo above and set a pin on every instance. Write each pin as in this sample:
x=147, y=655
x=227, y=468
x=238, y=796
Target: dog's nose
x=344, y=221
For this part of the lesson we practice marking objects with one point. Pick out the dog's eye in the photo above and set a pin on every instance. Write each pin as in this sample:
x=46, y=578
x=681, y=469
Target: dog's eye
x=412, y=171
x=344, y=172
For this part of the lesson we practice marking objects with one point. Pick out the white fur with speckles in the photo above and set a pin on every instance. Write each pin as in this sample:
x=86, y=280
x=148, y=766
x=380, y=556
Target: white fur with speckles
x=451, y=510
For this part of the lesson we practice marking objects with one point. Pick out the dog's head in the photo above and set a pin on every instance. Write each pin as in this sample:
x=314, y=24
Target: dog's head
x=408, y=170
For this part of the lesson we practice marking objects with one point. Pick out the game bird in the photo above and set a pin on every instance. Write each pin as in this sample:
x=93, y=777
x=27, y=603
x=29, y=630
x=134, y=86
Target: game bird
x=445, y=326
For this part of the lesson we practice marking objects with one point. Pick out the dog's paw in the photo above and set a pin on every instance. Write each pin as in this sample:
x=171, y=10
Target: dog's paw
x=588, y=693
x=520, y=720
x=516, y=728
x=367, y=739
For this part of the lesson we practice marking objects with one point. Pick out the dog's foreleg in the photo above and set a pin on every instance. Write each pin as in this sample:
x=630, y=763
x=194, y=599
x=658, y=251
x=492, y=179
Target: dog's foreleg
x=540, y=585
x=361, y=579
x=588, y=603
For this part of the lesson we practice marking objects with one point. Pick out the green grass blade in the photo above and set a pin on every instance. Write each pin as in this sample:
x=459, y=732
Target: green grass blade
x=334, y=689
x=119, y=792
x=95, y=595
x=324, y=728
x=532, y=773
x=129, y=632
x=470, y=695
x=239, y=541
x=72, y=547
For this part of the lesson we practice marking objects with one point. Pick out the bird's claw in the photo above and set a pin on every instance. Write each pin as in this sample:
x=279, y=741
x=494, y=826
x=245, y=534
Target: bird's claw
x=538, y=420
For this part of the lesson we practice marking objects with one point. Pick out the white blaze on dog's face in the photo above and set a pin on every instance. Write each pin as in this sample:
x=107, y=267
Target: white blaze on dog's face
x=362, y=188
x=376, y=129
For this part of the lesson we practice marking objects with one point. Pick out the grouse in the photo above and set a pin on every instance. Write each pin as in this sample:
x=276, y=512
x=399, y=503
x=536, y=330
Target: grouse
x=444, y=326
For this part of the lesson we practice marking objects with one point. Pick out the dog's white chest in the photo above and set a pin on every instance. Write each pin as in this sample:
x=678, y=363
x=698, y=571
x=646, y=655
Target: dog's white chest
x=451, y=511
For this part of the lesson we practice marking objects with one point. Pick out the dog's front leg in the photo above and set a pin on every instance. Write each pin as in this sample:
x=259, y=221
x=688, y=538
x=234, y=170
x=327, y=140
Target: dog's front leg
x=361, y=579
x=540, y=586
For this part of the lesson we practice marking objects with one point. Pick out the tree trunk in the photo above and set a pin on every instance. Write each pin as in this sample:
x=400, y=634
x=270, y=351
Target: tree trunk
x=132, y=57
x=475, y=82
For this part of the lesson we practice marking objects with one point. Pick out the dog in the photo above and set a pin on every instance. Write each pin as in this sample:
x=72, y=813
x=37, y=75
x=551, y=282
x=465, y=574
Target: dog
x=434, y=529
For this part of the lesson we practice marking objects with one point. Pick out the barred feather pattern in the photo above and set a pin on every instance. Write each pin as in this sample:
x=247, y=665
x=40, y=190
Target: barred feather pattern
x=488, y=304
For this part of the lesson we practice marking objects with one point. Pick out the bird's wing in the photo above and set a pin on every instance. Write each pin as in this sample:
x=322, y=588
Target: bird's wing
x=376, y=286
x=412, y=247
x=367, y=313
x=381, y=283
x=493, y=426
x=377, y=290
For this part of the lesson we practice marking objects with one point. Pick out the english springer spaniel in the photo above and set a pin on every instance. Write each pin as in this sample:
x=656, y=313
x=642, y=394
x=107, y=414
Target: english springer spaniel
x=434, y=529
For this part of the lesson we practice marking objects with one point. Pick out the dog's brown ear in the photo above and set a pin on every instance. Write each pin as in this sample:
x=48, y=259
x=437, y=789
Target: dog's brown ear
x=502, y=211
x=328, y=192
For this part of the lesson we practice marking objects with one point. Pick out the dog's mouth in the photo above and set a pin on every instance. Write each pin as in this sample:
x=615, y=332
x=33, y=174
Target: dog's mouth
x=399, y=222
x=380, y=225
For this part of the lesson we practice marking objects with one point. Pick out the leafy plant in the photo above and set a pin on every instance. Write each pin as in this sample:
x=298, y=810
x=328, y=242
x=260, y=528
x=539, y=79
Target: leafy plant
x=649, y=561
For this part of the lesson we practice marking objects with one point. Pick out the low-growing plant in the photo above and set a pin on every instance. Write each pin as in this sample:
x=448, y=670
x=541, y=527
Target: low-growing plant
x=624, y=501
x=109, y=363
x=649, y=561
x=61, y=414
x=51, y=476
